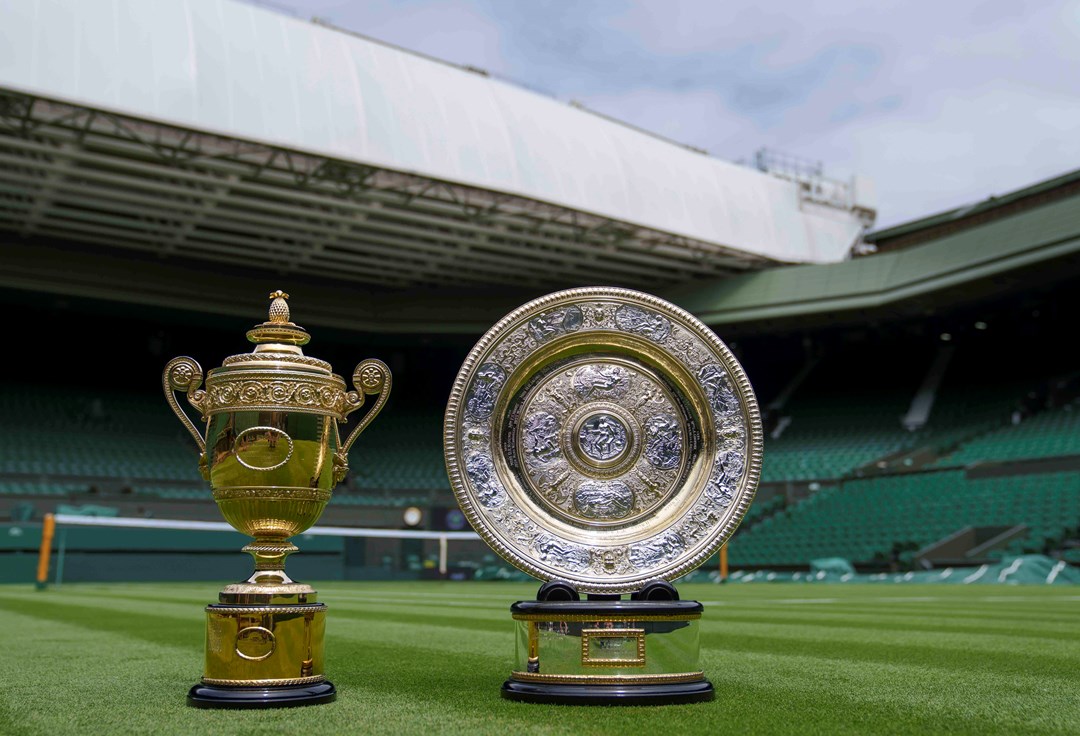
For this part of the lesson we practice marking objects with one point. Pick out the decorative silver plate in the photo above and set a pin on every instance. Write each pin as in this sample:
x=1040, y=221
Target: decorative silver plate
x=605, y=437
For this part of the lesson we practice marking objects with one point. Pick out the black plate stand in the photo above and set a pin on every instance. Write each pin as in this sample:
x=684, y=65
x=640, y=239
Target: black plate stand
x=656, y=598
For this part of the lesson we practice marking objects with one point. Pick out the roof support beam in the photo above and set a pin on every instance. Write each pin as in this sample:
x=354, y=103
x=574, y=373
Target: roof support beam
x=132, y=146
x=274, y=211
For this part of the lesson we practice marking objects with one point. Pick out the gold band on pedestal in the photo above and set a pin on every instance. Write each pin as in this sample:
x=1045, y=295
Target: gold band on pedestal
x=609, y=679
x=266, y=683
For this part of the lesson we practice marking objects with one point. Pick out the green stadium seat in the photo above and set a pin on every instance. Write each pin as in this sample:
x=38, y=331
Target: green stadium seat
x=862, y=520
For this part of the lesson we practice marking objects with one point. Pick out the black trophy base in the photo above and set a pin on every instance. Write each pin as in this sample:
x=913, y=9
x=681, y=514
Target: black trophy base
x=671, y=694
x=559, y=603
x=287, y=696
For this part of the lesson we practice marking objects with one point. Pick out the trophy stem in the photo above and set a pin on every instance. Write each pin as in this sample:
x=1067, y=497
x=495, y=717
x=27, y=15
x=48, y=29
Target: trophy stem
x=269, y=556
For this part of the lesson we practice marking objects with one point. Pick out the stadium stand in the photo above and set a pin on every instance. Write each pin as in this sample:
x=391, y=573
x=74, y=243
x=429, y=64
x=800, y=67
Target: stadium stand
x=102, y=435
x=835, y=434
x=405, y=453
x=111, y=441
x=96, y=451
x=837, y=425
x=830, y=435
x=1052, y=433
x=1000, y=447
x=869, y=520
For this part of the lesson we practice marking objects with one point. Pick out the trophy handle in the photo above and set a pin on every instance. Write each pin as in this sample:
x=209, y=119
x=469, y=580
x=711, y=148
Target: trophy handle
x=185, y=374
x=370, y=377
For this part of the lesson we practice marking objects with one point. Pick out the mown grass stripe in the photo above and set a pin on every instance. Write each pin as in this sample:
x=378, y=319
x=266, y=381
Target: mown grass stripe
x=931, y=654
x=119, y=658
x=144, y=620
x=973, y=640
x=787, y=692
x=946, y=610
x=385, y=695
x=1014, y=627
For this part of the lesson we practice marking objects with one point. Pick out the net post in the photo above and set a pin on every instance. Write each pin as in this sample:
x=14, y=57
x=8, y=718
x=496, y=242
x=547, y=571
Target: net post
x=442, y=555
x=723, y=563
x=48, y=528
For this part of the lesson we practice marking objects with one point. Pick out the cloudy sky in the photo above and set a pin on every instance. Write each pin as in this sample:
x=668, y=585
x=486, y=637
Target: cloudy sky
x=939, y=103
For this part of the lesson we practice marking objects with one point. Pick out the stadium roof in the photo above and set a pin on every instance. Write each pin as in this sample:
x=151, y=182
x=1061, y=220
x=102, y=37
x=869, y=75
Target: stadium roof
x=228, y=134
x=999, y=245
x=992, y=208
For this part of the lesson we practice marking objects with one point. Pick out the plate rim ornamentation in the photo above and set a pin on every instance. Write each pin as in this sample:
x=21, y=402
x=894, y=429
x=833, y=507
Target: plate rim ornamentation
x=455, y=418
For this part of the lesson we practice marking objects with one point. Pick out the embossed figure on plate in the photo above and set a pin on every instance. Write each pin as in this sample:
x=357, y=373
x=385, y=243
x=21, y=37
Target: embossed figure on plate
x=643, y=322
x=556, y=322
x=722, y=399
x=657, y=551
x=603, y=381
x=604, y=501
x=602, y=437
x=541, y=439
x=663, y=441
x=724, y=481
x=482, y=473
x=485, y=390
x=732, y=464
x=561, y=553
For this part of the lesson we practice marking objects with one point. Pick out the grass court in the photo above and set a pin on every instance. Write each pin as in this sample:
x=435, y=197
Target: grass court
x=429, y=657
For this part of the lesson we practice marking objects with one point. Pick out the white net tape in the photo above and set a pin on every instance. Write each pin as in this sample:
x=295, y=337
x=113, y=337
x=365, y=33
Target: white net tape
x=220, y=526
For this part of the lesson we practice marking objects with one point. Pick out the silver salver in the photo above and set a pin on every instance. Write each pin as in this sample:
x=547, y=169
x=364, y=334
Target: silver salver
x=604, y=437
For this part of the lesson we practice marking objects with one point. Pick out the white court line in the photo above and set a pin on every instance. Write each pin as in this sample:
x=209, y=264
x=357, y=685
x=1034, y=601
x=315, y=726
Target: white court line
x=496, y=606
x=909, y=598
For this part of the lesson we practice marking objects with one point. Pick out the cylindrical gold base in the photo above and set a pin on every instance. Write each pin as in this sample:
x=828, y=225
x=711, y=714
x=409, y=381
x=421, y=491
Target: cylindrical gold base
x=264, y=645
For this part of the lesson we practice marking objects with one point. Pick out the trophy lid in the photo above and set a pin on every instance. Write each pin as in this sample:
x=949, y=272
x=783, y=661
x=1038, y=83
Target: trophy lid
x=278, y=343
x=278, y=328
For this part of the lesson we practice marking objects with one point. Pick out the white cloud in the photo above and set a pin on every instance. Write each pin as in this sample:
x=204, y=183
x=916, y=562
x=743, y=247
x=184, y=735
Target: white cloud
x=973, y=145
x=940, y=106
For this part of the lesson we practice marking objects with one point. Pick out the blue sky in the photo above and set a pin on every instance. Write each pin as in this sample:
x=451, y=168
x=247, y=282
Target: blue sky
x=939, y=103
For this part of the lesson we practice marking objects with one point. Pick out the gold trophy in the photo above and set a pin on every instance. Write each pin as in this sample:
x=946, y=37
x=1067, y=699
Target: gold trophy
x=272, y=454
